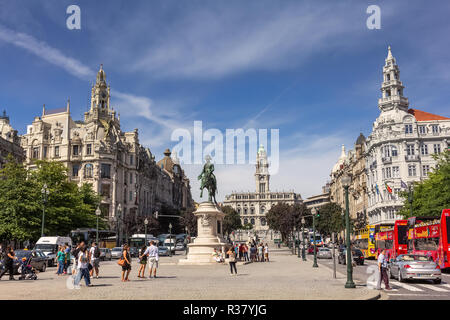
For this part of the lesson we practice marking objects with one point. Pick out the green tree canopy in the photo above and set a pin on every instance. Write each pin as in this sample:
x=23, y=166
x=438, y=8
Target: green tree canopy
x=231, y=221
x=432, y=195
x=21, y=202
x=283, y=217
x=330, y=219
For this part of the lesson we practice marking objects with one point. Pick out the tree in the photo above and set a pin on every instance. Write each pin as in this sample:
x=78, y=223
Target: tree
x=231, y=221
x=432, y=195
x=330, y=219
x=189, y=220
x=283, y=217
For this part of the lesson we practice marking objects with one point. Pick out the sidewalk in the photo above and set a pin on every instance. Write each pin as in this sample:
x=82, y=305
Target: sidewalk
x=285, y=277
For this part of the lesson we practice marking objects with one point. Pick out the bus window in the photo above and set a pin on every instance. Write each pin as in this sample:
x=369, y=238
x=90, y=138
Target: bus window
x=389, y=244
x=402, y=234
x=426, y=243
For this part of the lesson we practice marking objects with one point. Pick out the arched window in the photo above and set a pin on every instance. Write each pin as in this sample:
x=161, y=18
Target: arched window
x=239, y=210
x=88, y=170
x=263, y=221
x=252, y=221
x=262, y=211
x=245, y=221
x=252, y=210
x=245, y=210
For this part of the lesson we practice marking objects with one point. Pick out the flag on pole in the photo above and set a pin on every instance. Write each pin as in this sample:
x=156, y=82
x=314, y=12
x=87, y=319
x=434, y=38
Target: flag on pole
x=403, y=184
x=389, y=189
x=376, y=188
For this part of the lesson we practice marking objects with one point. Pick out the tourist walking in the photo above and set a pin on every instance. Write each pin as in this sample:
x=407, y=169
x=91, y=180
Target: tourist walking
x=153, y=257
x=382, y=267
x=232, y=260
x=82, y=268
x=266, y=252
x=236, y=250
x=142, y=262
x=75, y=253
x=61, y=259
x=94, y=256
x=67, y=253
x=260, y=253
x=126, y=266
x=246, y=258
x=8, y=263
x=253, y=253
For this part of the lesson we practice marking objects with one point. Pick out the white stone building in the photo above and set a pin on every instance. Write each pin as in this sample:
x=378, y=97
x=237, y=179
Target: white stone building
x=97, y=151
x=9, y=142
x=399, y=149
x=253, y=206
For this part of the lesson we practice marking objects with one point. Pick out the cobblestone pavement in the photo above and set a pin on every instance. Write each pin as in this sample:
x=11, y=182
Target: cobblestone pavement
x=284, y=277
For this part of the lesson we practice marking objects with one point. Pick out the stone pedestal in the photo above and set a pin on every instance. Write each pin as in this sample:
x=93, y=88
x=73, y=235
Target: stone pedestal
x=209, y=226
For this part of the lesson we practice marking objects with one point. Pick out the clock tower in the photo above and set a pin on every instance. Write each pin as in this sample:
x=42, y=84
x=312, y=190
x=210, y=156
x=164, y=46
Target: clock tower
x=262, y=171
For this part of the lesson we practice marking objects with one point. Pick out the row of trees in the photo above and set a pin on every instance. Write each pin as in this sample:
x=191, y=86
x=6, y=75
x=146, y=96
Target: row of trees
x=21, y=202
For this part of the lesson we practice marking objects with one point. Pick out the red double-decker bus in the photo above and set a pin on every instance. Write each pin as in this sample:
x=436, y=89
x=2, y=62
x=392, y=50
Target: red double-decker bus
x=394, y=239
x=429, y=236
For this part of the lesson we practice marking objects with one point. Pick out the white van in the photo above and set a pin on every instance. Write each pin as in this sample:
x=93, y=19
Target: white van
x=49, y=245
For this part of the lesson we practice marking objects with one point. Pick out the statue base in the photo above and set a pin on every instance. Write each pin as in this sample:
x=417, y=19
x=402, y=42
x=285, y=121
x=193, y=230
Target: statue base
x=209, y=229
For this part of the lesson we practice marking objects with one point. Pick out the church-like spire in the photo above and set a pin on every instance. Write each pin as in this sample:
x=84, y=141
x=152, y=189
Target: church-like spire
x=392, y=87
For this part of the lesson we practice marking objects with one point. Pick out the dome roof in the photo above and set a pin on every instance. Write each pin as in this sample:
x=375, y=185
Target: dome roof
x=361, y=139
x=166, y=163
x=340, y=161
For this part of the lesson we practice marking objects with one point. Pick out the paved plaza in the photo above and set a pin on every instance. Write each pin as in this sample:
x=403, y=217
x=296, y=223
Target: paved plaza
x=285, y=277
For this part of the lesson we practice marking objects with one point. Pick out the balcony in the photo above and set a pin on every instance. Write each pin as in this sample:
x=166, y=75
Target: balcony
x=413, y=157
x=393, y=99
x=386, y=160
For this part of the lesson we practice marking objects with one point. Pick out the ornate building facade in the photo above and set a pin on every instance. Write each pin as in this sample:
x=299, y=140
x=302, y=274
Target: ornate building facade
x=253, y=206
x=98, y=152
x=9, y=142
x=400, y=147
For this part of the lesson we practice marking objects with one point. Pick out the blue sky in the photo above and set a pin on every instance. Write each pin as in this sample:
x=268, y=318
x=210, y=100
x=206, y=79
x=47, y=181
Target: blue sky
x=311, y=69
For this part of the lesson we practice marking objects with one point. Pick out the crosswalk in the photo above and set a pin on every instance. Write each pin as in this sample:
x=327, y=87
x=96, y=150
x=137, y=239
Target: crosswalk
x=415, y=287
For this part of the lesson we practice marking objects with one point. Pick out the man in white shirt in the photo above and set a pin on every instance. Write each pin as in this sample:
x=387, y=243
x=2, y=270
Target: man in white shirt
x=94, y=255
x=382, y=267
x=152, y=253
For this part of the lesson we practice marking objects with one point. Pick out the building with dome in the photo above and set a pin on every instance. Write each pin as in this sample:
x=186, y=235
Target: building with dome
x=253, y=206
x=98, y=152
x=9, y=142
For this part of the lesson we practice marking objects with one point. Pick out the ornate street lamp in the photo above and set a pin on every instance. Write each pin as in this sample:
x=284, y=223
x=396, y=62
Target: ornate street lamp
x=170, y=238
x=45, y=194
x=98, y=212
x=145, y=227
x=346, y=180
x=303, y=239
x=314, y=212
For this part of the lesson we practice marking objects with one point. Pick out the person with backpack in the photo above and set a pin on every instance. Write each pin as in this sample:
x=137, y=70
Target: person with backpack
x=94, y=255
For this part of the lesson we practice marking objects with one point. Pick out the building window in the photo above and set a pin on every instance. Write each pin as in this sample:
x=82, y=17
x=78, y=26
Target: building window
x=88, y=170
x=252, y=210
x=424, y=149
x=56, y=151
x=383, y=174
x=75, y=170
x=412, y=170
x=252, y=221
x=75, y=150
x=35, y=153
x=239, y=210
x=263, y=222
x=410, y=149
x=262, y=210
x=105, y=191
x=45, y=152
x=245, y=221
x=388, y=173
x=425, y=169
x=422, y=129
x=435, y=128
x=89, y=149
x=106, y=171
x=408, y=128
x=394, y=151
x=437, y=148
x=131, y=178
x=131, y=195
x=245, y=210
x=395, y=172
x=262, y=187
x=131, y=160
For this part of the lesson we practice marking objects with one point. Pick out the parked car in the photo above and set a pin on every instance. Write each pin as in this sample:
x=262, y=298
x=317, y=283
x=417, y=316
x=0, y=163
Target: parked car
x=134, y=252
x=358, y=256
x=105, y=254
x=311, y=249
x=324, y=253
x=116, y=252
x=39, y=260
x=179, y=246
x=409, y=266
x=163, y=251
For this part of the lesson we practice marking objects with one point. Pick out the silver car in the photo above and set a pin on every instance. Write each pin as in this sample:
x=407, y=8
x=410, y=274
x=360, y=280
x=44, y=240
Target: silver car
x=105, y=254
x=116, y=252
x=324, y=253
x=412, y=266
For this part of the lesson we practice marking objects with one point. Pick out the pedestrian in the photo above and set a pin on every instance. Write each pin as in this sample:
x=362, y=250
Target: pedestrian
x=61, y=259
x=260, y=252
x=67, y=253
x=75, y=253
x=152, y=253
x=382, y=267
x=236, y=250
x=246, y=258
x=82, y=268
x=232, y=260
x=94, y=256
x=8, y=263
x=126, y=268
x=142, y=262
x=266, y=252
x=252, y=253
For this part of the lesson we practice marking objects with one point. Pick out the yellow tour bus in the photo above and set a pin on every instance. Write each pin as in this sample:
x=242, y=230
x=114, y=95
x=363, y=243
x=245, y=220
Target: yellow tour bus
x=365, y=241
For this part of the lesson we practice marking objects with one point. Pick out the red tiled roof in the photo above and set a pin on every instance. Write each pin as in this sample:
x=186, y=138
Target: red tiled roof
x=425, y=116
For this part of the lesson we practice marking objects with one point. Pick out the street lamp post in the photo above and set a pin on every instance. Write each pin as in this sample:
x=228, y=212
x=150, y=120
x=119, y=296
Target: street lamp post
x=346, y=180
x=45, y=194
x=303, y=240
x=119, y=210
x=334, y=254
x=145, y=227
x=98, y=212
x=410, y=198
x=314, y=212
x=170, y=237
